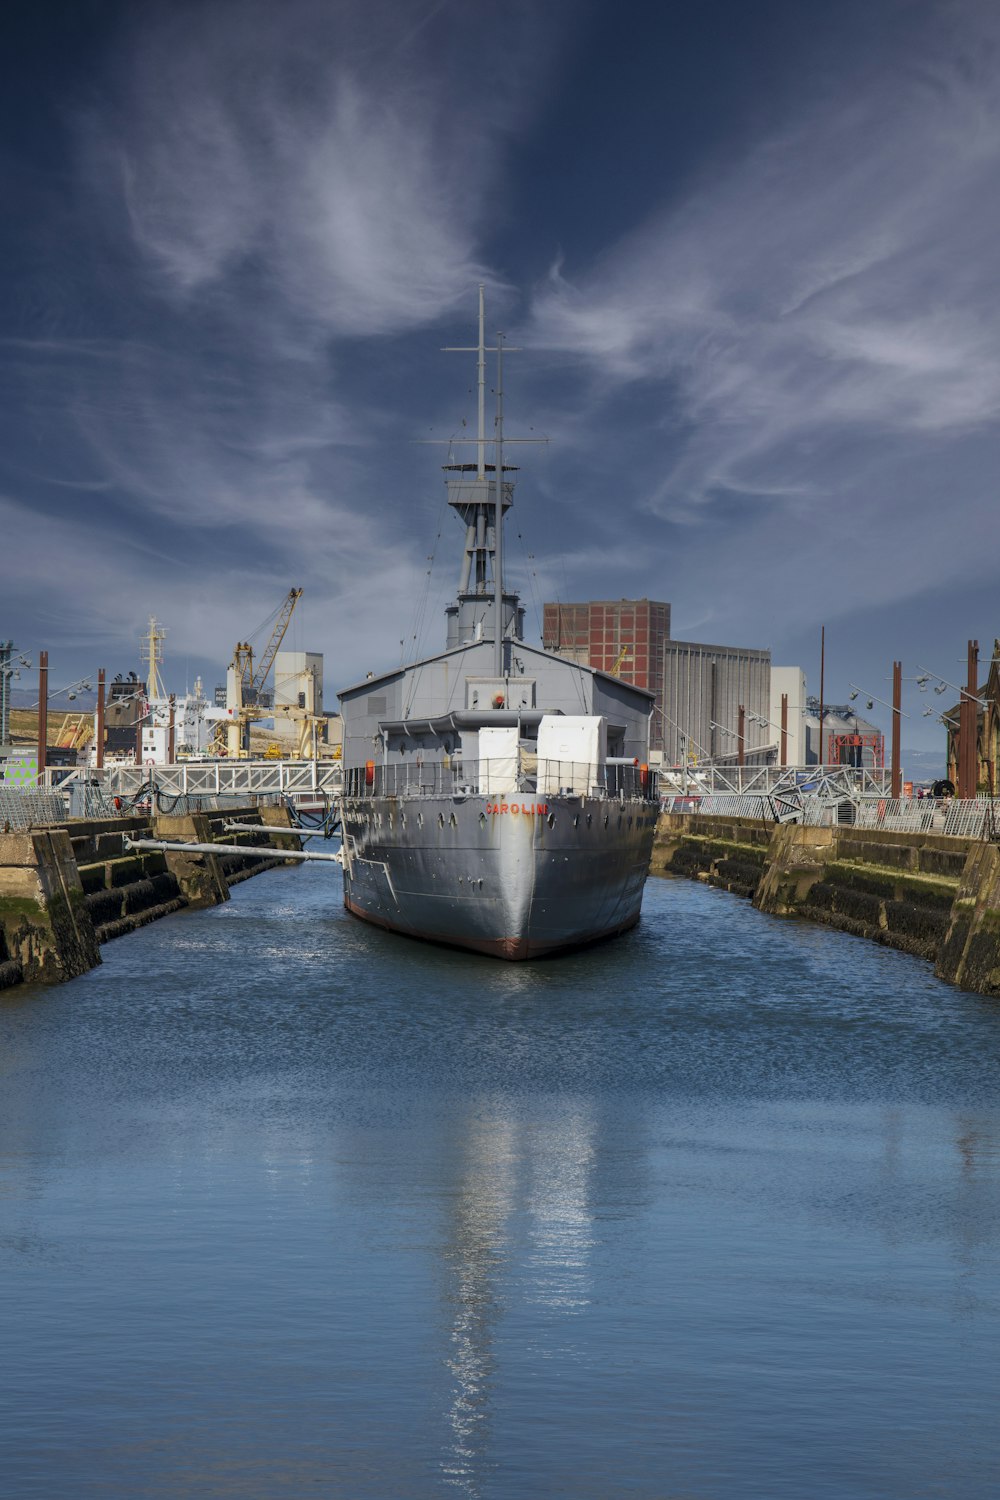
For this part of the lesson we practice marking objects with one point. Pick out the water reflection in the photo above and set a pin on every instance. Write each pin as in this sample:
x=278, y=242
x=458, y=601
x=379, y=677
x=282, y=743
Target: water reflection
x=300, y=1208
x=473, y=1256
x=518, y=1207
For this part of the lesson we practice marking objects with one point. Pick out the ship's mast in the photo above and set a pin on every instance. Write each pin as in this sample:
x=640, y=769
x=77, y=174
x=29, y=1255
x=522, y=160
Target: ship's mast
x=152, y=654
x=481, y=504
x=481, y=447
x=498, y=632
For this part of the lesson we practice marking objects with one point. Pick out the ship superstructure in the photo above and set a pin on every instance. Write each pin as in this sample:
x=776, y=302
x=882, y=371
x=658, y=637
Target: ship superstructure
x=496, y=796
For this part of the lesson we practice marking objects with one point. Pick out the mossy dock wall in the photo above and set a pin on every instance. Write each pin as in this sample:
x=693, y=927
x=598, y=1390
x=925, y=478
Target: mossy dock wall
x=927, y=894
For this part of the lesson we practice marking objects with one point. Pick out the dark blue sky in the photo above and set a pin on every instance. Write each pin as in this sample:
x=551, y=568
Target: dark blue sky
x=748, y=252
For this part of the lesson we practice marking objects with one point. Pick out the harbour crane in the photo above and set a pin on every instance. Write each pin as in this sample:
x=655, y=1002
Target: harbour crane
x=245, y=684
x=616, y=670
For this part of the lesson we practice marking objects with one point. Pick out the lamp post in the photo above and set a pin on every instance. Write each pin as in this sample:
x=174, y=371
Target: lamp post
x=969, y=721
x=897, y=714
x=969, y=704
x=784, y=729
x=9, y=667
x=896, y=785
x=99, y=726
x=43, y=712
x=822, y=683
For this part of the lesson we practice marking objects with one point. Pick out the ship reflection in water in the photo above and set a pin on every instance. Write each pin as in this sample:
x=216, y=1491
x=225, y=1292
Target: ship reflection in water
x=291, y=1205
x=521, y=1198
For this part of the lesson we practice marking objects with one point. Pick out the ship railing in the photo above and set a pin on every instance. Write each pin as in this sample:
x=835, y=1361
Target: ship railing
x=501, y=778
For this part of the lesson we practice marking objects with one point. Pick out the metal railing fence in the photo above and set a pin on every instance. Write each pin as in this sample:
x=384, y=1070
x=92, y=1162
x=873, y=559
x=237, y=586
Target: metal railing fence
x=202, y=779
x=29, y=809
x=501, y=778
x=976, y=819
x=769, y=781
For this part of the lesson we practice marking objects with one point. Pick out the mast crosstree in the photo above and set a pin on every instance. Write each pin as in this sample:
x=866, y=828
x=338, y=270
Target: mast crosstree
x=482, y=494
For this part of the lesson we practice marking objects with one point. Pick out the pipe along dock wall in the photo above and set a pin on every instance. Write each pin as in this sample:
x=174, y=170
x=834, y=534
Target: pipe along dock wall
x=66, y=890
x=927, y=894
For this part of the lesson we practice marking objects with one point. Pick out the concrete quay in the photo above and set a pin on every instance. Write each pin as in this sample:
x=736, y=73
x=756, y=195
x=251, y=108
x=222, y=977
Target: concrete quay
x=931, y=895
x=65, y=890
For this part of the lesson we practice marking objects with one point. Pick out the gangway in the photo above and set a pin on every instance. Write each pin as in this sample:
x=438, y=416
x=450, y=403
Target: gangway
x=305, y=782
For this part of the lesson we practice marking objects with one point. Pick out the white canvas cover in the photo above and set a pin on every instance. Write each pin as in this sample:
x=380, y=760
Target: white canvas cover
x=498, y=761
x=571, y=750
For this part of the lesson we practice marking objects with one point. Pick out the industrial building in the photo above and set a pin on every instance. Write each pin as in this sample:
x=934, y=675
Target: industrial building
x=298, y=685
x=700, y=688
x=704, y=688
x=848, y=739
x=621, y=636
x=788, y=692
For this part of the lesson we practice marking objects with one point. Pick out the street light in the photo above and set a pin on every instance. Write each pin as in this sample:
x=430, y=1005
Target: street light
x=963, y=692
x=82, y=685
x=10, y=668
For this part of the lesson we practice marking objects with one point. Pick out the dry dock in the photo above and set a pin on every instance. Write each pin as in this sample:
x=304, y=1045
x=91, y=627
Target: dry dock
x=931, y=895
x=66, y=889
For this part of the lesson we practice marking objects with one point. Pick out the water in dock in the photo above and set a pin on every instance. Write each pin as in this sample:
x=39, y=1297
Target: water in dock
x=289, y=1206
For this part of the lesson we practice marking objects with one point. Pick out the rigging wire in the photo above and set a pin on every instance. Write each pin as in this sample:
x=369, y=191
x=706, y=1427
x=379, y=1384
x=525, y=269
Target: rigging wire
x=530, y=576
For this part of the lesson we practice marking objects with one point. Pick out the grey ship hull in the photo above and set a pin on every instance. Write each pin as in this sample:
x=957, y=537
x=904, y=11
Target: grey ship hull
x=517, y=884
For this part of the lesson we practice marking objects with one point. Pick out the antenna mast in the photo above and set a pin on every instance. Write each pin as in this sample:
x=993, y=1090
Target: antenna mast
x=152, y=654
x=498, y=522
x=481, y=449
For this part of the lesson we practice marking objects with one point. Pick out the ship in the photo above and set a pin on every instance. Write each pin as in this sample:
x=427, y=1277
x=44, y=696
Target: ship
x=496, y=797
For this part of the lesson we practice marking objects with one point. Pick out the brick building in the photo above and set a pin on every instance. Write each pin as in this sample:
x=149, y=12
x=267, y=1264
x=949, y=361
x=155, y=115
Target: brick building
x=699, y=688
x=622, y=636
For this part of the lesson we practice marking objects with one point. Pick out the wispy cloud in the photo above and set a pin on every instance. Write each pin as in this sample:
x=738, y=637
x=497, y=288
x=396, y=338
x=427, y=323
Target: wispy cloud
x=279, y=191
x=821, y=321
x=342, y=157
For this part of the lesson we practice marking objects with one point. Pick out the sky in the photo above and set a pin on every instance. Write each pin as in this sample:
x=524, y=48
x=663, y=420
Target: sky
x=747, y=254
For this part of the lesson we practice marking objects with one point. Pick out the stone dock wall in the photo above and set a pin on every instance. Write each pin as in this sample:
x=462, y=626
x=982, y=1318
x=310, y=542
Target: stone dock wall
x=926, y=894
x=66, y=890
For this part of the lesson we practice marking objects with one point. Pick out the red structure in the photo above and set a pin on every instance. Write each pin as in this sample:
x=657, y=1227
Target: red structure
x=622, y=636
x=849, y=750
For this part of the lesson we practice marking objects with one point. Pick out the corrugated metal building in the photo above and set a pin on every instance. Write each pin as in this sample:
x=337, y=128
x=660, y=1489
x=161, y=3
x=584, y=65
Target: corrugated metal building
x=703, y=688
x=696, y=685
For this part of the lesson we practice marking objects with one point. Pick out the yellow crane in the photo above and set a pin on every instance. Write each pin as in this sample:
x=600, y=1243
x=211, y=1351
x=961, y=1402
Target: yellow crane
x=244, y=684
x=616, y=669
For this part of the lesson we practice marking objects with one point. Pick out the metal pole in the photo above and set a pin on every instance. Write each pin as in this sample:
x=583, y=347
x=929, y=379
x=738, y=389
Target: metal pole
x=170, y=732
x=741, y=751
x=43, y=712
x=784, y=729
x=713, y=716
x=971, y=706
x=896, y=786
x=99, y=735
x=6, y=671
x=822, y=681
x=252, y=851
x=498, y=522
x=481, y=382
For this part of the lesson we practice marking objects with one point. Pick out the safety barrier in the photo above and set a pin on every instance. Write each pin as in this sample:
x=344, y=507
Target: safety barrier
x=29, y=809
x=242, y=779
x=979, y=818
x=500, y=778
